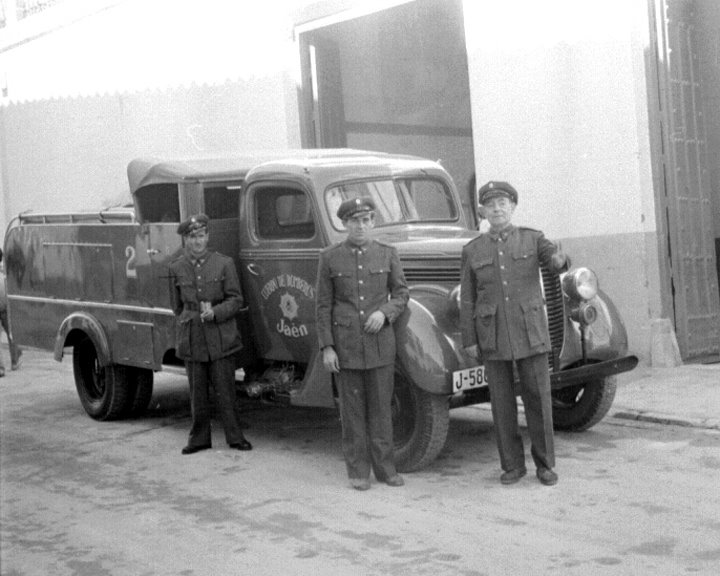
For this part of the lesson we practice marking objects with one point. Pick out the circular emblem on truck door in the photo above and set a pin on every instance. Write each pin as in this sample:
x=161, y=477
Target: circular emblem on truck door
x=289, y=306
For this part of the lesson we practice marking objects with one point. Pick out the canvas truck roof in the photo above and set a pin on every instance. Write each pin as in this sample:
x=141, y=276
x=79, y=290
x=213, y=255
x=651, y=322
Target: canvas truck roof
x=146, y=171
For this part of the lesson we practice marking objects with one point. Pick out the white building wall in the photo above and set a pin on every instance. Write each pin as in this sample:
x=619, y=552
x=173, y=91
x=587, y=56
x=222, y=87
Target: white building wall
x=559, y=107
x=88, y=86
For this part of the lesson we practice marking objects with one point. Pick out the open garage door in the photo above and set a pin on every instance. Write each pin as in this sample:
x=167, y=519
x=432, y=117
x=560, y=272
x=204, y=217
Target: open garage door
x=393, y=80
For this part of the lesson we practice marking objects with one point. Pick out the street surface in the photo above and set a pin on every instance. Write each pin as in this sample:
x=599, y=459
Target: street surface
x=85, y=498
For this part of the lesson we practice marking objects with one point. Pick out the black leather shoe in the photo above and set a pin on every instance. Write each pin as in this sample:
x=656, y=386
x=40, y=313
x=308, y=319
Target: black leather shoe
x=242, y=445
x=361, y=484
x=513, y=476
x=193, y=449
x=395, y=481
x=547, y=476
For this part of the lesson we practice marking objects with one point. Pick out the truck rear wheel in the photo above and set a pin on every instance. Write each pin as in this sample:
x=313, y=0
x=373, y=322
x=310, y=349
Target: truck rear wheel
x=420, y=424
x=578, y=408
x=103, y=390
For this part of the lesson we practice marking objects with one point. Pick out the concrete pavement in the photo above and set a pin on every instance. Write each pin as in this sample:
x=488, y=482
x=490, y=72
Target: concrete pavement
x=685, y=395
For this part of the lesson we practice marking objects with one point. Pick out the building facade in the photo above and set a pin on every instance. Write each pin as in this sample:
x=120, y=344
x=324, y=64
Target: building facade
x=605, y=117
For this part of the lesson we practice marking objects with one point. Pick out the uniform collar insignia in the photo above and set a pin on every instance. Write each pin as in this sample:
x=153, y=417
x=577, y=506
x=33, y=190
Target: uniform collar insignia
x=503, y=234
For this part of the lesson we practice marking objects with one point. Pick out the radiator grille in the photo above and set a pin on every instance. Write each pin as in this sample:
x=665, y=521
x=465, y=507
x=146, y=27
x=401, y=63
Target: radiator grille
x=442, y=273
x=555, y=313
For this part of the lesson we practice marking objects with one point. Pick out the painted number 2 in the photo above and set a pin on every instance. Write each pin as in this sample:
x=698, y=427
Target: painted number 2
x=130, y=270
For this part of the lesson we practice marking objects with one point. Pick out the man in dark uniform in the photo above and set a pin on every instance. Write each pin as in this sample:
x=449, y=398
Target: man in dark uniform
x=503, y=323
x=361, y=290
x=206, y=297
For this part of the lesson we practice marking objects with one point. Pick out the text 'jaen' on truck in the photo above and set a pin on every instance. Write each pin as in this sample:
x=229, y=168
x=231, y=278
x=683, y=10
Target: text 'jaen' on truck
x=97, y=283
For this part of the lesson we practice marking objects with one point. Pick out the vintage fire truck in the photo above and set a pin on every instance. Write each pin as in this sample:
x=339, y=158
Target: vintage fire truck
x=97, y=283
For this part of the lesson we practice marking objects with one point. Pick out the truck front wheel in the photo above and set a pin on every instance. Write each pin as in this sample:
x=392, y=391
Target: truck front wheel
x=420, y=424
x=577, y=408
x=103, y=390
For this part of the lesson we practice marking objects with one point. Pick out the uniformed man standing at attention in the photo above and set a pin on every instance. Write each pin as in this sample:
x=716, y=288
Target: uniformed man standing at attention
x=503, y=323
x=361, y=290
x=206, y=298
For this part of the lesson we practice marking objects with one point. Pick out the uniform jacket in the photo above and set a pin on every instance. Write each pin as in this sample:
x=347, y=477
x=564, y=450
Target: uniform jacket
x=352, y=284
x=215, y=280
x=502, y=307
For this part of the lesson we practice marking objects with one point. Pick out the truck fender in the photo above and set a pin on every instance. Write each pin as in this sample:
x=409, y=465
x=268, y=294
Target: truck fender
x=425, y=353
x=88, y=325
x=606, y=338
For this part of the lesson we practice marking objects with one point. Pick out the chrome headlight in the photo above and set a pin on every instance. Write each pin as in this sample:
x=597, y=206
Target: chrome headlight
x=585, y=313
x=580, y=284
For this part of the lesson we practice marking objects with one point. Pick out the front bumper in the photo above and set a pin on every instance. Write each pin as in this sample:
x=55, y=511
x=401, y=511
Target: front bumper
x=594, y=371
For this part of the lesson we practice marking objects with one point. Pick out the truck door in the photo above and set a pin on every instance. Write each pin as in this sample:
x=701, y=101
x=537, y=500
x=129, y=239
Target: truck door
x=278, y=264
x=157, y=243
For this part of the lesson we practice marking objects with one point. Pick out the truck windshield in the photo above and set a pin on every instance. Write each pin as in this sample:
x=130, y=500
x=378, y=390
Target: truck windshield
x=400, y=200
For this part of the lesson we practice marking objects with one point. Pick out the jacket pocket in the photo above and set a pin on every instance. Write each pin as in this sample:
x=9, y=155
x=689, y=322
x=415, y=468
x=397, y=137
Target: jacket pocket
x=229, y=335
x=342, y=334
x=483, y=269
x=485, y=326
x=536, y=323
x=342, y=281
x=378, y=279
x=187, y=290
x=213, y=289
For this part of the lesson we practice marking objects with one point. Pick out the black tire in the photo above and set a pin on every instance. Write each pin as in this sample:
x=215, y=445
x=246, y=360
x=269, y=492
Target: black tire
x=420, y=424
x=103, y=390
x=142, y=384
x=578, y=408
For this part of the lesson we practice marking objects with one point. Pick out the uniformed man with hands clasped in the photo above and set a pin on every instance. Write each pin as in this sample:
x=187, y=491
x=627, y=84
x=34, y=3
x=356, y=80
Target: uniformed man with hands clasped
x=206, y=298
x=503, y=323
x=361, y=290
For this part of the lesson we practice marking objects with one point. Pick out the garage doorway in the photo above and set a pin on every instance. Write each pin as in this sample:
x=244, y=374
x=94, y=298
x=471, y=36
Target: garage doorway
x=394, y=80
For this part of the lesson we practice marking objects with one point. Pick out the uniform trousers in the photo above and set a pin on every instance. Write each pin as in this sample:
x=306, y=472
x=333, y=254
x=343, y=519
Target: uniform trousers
x=537, y=400
x=220, y=376
x=14, y=349
x=367, y=432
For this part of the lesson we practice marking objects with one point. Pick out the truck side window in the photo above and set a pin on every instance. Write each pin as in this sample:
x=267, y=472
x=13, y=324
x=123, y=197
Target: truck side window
x=283, y=213
x=158, y=203
x=222, y=202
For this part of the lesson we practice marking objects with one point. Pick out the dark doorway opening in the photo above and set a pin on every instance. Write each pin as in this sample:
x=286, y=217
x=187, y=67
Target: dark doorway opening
x=393, y=81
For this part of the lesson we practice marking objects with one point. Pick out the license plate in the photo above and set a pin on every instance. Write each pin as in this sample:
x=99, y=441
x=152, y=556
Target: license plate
x=469, y=378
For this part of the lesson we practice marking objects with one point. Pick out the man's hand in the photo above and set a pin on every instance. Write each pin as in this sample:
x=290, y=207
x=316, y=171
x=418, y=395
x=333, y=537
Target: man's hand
x=207, y=315
x=559, y=259
x=374, y=322
x=330, y=359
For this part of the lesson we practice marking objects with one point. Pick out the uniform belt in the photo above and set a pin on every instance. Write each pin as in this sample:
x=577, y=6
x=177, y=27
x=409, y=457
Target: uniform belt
x=191, y=306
